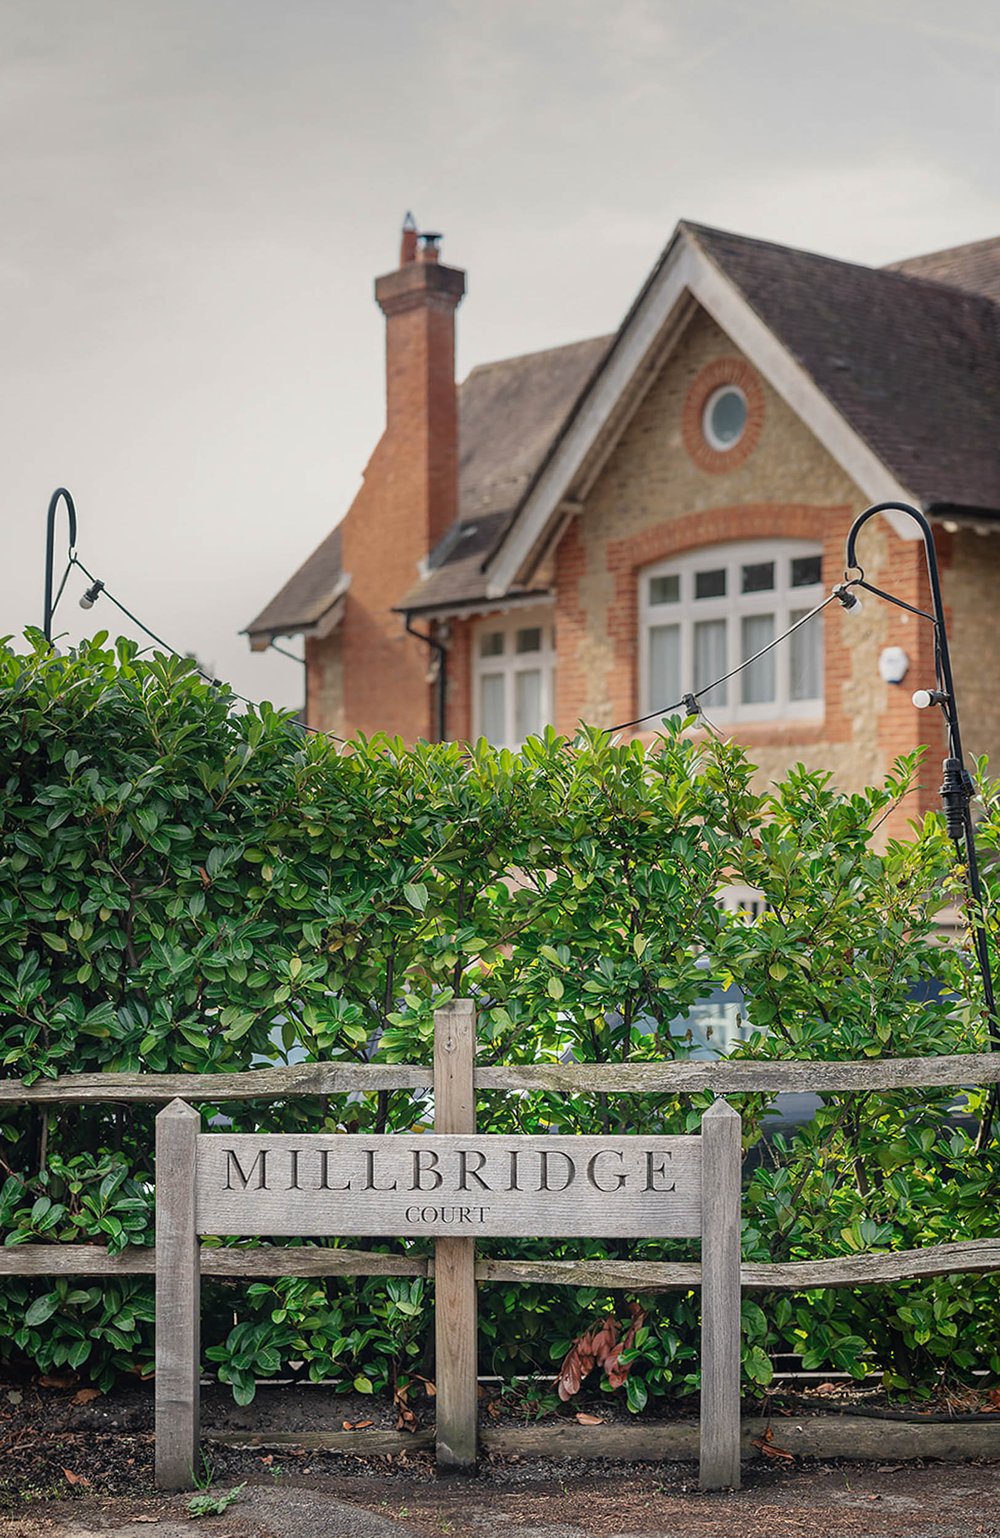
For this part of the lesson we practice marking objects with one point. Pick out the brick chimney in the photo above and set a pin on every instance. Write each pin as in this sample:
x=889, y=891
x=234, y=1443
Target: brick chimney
x=419, y=301
x=409, y=499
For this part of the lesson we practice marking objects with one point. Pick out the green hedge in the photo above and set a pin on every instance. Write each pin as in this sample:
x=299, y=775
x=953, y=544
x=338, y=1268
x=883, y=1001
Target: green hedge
x=186, y=887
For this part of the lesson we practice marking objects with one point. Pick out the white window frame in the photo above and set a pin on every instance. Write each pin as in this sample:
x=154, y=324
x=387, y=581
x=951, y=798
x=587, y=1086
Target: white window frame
x=781, y=601
x=512, y=662
x=708, y=432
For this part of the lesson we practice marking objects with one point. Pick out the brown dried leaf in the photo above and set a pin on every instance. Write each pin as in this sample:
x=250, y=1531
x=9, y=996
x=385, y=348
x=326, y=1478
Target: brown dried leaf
x=405, y=1419
x=605, y=1340
x=589, y=1350
x=575, y=1366
x=267, y=1458
x=85, y=1395
x=75, y=1479
x=583, y=1419
x=53, y=1380
x=615, y=1370
x=356, y=1425
x=766, y=1445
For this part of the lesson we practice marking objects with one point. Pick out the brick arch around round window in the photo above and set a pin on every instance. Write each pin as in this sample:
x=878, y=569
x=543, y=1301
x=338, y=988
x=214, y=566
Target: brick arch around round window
x=720, y=372
x=627, y=558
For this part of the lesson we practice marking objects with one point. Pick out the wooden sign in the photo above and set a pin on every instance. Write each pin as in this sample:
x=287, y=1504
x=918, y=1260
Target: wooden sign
x=470, y=1187
x=456, y=1186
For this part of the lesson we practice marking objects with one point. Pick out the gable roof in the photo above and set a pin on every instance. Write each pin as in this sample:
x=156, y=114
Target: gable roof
x=897, y=374
x=913, y=364
x=896, y=370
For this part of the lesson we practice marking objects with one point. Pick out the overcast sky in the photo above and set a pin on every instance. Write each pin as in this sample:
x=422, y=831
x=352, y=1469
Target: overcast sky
x=197, y=194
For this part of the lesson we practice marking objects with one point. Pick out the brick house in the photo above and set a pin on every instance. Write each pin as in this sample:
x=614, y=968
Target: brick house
x=587, y=533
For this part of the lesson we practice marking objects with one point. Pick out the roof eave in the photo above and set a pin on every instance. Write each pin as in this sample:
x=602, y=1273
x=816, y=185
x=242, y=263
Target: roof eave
x=466, y=608
x=318, y=627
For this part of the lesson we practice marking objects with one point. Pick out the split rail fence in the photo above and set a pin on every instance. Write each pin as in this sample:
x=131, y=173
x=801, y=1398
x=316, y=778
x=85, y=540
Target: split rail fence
x=456, y=1270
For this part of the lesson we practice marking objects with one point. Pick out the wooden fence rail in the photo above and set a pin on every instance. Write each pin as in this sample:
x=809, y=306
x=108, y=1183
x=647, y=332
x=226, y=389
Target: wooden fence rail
x=249, y=1262
x=728, y=1077
x=457, y=1269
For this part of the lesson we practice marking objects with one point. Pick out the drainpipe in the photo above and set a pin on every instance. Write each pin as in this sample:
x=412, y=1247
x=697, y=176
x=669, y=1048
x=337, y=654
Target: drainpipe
x=442, y=674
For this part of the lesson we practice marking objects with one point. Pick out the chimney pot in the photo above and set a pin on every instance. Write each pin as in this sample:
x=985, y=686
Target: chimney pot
x=408, y=242
x=430, y=246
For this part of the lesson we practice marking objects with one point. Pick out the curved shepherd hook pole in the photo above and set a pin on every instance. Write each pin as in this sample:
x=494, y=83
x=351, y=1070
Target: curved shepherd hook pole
x=60, y=494
x=957, y=788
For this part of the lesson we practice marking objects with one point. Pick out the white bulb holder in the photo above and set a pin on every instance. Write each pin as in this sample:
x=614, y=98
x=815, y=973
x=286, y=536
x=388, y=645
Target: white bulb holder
x=847, y=598
x=92, y=594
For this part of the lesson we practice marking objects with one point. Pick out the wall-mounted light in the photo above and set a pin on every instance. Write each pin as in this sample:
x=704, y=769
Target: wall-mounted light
x=893, y=664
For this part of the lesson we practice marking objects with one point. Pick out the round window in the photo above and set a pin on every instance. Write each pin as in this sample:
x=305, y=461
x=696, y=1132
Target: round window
x=725, y=417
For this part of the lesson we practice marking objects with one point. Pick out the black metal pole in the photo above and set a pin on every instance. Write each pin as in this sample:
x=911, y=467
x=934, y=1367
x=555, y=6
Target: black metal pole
x=50, y=531
x=957, y=788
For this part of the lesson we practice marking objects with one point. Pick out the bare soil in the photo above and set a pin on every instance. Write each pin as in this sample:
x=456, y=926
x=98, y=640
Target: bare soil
x=74, y=1467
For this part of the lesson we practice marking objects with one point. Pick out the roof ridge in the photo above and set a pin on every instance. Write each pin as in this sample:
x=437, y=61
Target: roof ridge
x=961, y=250
x=886, y=270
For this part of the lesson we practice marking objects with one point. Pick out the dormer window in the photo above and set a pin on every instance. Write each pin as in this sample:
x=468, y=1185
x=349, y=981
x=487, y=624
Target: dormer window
x=706, y=613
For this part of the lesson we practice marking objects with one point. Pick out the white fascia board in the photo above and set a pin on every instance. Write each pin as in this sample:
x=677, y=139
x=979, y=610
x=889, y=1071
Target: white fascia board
x=788, y=378
x=688, y=269
x=556, y=479
x=540, y=600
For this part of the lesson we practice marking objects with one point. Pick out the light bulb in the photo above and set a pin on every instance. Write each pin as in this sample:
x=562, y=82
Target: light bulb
x=847, y=597
x=92, y=594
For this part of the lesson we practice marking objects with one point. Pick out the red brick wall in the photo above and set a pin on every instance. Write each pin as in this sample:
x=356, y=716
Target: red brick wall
x=408, y=500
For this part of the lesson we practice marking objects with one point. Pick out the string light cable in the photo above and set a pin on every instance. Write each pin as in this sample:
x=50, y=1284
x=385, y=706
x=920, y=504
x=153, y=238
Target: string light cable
x=841, y=594
x=99, y=589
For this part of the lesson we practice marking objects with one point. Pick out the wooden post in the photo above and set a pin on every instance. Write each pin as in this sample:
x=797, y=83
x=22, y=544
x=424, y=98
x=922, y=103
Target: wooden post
x=719, y=1464
x=178, y=1298
x=456, y=1403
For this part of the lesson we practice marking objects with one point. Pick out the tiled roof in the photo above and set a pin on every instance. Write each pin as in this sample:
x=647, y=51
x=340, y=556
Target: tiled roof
x=975, y=267
x=910, y=360
x=909, y=355
x=305, y=597
x=509, y=413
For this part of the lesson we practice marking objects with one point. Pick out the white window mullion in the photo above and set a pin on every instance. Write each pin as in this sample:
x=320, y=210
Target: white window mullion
x=513, y=665
x=683, y=640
